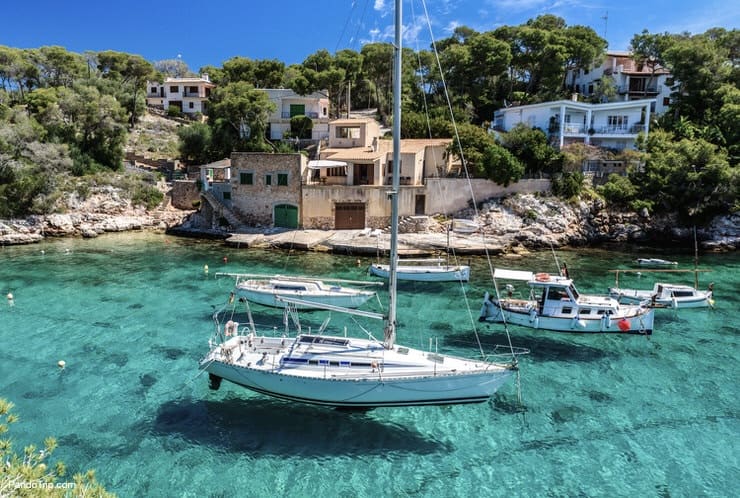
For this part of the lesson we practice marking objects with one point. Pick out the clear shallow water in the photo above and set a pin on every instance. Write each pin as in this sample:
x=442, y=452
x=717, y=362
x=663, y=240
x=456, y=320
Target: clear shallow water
x=130, y=314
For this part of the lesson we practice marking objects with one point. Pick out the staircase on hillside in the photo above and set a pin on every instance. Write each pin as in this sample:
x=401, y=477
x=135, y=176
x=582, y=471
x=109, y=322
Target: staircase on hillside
x=220, y=210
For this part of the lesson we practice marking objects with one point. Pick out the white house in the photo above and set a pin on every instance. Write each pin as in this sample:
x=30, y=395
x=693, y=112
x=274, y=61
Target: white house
x=613, y=125
x=289, y=104
x=189, y=95
x=633, y=81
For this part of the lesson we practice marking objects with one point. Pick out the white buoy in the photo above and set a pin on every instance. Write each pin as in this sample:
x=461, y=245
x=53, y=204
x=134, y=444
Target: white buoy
x=61, y=364
x=11, y=299
x=205, y=269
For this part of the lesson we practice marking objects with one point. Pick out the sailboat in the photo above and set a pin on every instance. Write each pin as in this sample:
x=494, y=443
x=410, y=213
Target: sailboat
x=267, y=290
x=425, y=269
x=348, y=372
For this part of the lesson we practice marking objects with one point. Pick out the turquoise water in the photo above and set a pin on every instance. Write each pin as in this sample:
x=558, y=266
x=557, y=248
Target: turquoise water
x=130, y=314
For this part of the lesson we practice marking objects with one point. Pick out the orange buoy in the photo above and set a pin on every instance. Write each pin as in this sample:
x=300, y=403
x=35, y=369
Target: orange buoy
x=623, y=324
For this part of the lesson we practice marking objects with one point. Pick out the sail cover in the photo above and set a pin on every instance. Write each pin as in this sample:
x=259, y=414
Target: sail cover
x=325, y=163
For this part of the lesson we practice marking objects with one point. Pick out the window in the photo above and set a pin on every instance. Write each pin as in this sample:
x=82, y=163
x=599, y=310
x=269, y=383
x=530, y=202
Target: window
x=340, y=171
x=348, y=132
x=174, y=89
x=154, y=90
x=669, y=81
x=617, y=122
x=246, y=178
x=191, y=105
x=666, y=101
x=193, y=89
x=282, y=179
x=268, y=179
x=324, y=111
x=227, y=196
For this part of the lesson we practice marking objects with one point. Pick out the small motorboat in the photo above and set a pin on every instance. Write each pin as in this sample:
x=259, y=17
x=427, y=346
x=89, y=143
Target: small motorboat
x=655, y=262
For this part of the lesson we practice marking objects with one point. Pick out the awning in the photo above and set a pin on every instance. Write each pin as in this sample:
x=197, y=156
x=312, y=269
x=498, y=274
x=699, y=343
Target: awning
x=325, y=163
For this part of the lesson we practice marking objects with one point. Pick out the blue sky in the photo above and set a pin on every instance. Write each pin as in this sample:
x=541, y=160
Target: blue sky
x=210, y=32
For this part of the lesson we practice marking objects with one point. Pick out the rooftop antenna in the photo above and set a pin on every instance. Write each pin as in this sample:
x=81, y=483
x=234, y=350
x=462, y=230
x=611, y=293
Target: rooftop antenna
x=605, y=17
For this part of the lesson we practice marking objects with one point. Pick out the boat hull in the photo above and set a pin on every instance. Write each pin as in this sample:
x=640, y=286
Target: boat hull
x=267, y=298
x=640, y=322
x=459, y=273
x=310, y=377
x=700, y=299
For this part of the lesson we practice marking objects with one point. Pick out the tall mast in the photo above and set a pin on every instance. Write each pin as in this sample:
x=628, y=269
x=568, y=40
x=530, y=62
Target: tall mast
x=390, y=330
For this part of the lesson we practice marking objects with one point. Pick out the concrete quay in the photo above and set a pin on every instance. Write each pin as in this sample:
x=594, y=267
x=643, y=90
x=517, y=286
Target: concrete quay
x=363, y=242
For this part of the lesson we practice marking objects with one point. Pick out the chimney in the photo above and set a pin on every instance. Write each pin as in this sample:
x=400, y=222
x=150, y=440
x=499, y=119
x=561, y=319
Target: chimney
x=574, y=97
x=205, y=76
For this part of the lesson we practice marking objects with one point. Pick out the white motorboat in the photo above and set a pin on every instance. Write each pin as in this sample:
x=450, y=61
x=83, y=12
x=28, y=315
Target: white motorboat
x=554, y=303
x=655, y=262
x=268, y=291
x=343, y=371
x=665, y=295
x=424, y=270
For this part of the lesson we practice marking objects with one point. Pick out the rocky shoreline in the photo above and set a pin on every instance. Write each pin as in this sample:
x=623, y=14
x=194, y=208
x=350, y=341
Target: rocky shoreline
x=527, y=221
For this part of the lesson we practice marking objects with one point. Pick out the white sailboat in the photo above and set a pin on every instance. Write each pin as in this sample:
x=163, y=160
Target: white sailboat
x=424, y=269
x=352, y=372
x=269, y=290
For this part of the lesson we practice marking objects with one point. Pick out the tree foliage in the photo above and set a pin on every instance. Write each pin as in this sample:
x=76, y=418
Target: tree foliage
x=31, y=473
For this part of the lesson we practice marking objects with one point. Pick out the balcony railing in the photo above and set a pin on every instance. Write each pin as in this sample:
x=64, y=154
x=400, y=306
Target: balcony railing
x=193, y=94
x=650, y=89
x=620, y=130
x=310, y=114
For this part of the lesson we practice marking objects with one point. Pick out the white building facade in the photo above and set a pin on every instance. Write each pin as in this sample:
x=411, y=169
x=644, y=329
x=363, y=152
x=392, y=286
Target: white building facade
x=613, y=125
x=633, y=81
x=189, y=95
x=289, y=104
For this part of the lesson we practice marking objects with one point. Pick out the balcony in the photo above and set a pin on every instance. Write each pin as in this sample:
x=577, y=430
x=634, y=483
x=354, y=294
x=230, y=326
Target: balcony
x=310, y=114
x=193, y=95
x=619, y=130
x=640, y=89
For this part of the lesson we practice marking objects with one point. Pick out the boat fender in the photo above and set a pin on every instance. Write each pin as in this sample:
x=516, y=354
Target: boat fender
x=623, y=324
x=607, y=321
x=533, y=315
x=231, y=298
x=229, y=328
x=542, y=277
x=374, y=365
x=674, y=303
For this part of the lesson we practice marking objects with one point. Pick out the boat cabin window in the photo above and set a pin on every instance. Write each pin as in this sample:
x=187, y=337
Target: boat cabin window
x=556, y=294
x=573, y=292
x=567, y=310
x=314, y=339
x=584, y=311
x=681, y=294
x=288, y=287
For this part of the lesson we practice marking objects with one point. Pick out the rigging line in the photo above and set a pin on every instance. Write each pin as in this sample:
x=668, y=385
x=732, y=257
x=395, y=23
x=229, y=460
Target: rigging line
x=450, y=249
x=344, y=28
x=465, y=167
x=557, y=263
